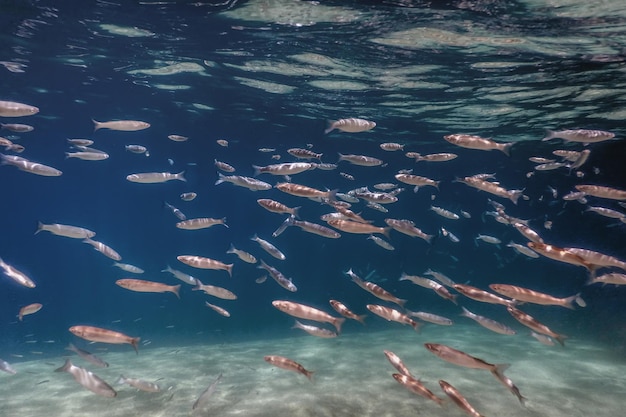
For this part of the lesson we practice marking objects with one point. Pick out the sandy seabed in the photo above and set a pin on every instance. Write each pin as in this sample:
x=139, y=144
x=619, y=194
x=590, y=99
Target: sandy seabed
x=352, y=378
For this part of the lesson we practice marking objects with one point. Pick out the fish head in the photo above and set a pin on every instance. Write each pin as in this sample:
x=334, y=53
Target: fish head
x=433, y=347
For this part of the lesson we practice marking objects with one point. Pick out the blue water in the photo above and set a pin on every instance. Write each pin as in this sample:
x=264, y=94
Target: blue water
x=74, y=70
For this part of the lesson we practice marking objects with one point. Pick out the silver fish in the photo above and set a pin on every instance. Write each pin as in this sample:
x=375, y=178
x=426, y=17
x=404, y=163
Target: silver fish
x=88, y=379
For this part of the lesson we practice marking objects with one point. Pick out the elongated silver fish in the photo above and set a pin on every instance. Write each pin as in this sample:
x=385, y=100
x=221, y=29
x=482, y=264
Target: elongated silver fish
x=88, y=379
x=206, y=394
x=89, y=357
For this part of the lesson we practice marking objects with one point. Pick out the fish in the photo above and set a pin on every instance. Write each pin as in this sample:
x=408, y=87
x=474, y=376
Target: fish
x=416, y=180
x=351, y=125
x=361, y=160
x=306, y=312
x=416, y=387
x=129, y=268
x=408, y=228
x=217, y=309
x=488, y=239
x=16, y=275
x=445, y=213
x=460, y=358
x=314, y=330
x=80, y=142
x=397, y=363
x=346, y=312
x=88, y=379
x=288, y=364
x=289, y=168
x=439, y=289
x=391, y=146
x=482, y=296
x=530, y=322
x=561, y=255
x=458, y=399
x=530, y=296
x=269, y=248
x=222, y=142
x=527, y=232
x=350, y=226
x=243, y=255
x=15, y=109
x=121, y=125
x=177, y=138
x=431, y=318
x=276, y=207
x=136, y=149
x=579, y=135
x=97, y=334
x=205, y=263
x=6, y=367
x=476, y=142
x=299, y=190
x=391, y=314
x=524, y=250
x=301, y=153
x=156, y=177
x=206, y=394
x=87, y=156
x=488, y=323
x=201, y=223
x=381, y=242
x=175, y=211
x=610, y=278
x=602, y=191
x=442, y=278
x=223, y=166
x=103, y=249
x=491, y=188
x=606, y=212
x=313, y=228
x=186, y=278
x=89, y=357
x=435, y=157
x=378, y=198
x=188, y=196
x=73, y=232
x=29, y=309
x=17, y=127
x=376, y=290
x=251, y=184
x=139, y=384
x=278, y=276
x=29, y=166
x=139, y=285
x=214, y=291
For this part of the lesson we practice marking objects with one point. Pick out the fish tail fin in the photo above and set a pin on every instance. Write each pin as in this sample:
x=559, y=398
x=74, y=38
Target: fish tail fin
x=121, y=380
x=175, y=290
x=220, y=178
x=361, y=319
x=96, y=125
x=167, y=268
x=561, y=339
x=329, y=126
x=40, y=226
x=571, y=302
x=224, y=222
x=230, y=250
x=506, y=148
x=296, y=212
x=429, y=239
x=386, y=231
x=309, y=375
x=257, y=170
x=181, y=176
x=134, y=342
x=229, y=269
x=401, y=302
x=453, y=299
x=66, y=366
x=416, y=326
x=337, y=323
x=332, y=195
x=548, y=135
x=514, y=195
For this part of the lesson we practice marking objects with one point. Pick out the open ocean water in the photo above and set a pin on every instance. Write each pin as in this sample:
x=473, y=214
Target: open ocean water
x=243, y=82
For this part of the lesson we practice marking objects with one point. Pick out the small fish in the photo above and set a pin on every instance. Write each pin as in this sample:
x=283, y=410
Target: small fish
x=29, y=309
x=6, y=367
x=458, y=399
x=177, y=138
x=269, y=248
x=17, y=127
x=129, y=268
x=476, y=142
x=139, y=285
x=15, y=109
x=306, y=312
x=88, y=379
x=91, y=358
x=186, y=278
x=97, y=334
x=206, y=394
x=416, y=387
x=288, y=364
x=314, y=330
x=391, y=146
x=205, y=263
x=346, y=312
x=136, y=149
x=16, y=275
x=243, y=255
x=188, y=196
x=488, y=323
x=580, y=135
x=156, y=177
x=222, y=142
x=351, y=125
x=381, y=242
x=201, y=223
x=217, y=309
x=122, y=125
x=139, y=384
